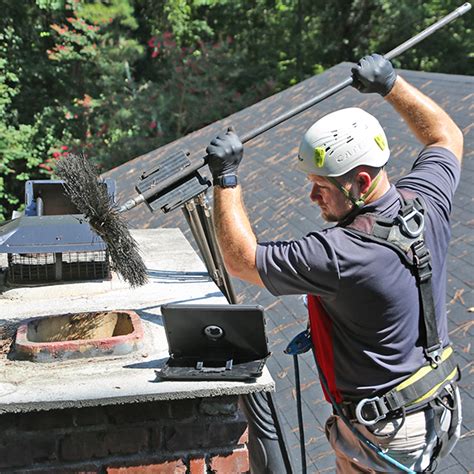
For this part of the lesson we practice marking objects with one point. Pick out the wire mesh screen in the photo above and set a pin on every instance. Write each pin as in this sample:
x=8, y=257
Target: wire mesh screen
x=46, y=267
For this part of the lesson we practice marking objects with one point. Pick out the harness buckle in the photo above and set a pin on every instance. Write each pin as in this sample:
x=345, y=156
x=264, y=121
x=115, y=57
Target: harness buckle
x=421, y=253
x=417, y=217
x=375, y=406
x=433, y=354
x=422, y=260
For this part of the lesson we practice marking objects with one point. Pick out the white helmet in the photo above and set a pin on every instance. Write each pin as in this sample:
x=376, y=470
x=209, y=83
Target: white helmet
x=342, y=140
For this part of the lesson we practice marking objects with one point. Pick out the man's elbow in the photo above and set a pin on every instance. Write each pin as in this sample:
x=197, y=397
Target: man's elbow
x=243, y=269
x=459, y=143
x=453, y=141
x=230, y=263
x=236, y=267
x=232, y=267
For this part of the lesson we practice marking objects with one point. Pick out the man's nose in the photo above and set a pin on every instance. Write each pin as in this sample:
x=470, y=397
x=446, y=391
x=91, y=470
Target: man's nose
x=314, y=194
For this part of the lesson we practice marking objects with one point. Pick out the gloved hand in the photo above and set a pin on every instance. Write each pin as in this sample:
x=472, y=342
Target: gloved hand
x=224, y=154
x=374, y=73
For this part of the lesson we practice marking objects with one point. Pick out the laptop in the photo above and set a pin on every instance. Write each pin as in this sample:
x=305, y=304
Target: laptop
x=214, y=342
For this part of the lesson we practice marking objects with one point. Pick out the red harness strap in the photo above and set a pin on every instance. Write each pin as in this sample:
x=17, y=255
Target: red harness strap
x=321, y=335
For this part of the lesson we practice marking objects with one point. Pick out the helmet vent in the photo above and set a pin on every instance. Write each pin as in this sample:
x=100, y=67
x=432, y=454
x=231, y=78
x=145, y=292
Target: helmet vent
x=349, y=139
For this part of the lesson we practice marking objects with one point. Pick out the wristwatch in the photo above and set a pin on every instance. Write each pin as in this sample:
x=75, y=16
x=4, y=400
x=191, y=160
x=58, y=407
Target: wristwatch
x=226, y=181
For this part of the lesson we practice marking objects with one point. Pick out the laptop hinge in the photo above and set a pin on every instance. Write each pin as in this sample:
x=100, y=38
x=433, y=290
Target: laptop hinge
x=228, y=366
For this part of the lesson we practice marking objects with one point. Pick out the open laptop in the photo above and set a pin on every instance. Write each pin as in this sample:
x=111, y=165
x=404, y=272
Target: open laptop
x=214, y=342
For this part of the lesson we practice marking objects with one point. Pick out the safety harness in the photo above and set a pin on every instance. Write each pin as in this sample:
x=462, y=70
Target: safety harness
x=405, y=235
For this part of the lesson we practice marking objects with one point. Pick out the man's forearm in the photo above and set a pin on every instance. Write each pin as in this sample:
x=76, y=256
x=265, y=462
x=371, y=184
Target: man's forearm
x=236, y=238
x=427, y=120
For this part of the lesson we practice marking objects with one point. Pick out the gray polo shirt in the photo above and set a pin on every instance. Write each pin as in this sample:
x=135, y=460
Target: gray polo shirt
x=369, y=295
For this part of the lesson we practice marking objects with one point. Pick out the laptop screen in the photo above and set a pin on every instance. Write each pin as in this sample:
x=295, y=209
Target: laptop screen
x=209, y=332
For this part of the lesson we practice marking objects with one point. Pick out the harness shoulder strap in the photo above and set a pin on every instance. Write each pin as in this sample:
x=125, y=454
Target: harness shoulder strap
x=405, y=235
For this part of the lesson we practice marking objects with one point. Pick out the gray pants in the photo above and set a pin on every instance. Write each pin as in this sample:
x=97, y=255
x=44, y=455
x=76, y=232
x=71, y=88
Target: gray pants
x=412, y=445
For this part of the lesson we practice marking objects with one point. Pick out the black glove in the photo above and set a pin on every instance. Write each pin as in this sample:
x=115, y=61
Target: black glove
x=224, y=155
x=374, y=73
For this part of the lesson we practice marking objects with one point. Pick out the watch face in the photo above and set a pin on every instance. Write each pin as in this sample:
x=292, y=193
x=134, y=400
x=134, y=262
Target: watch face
x=229, y=181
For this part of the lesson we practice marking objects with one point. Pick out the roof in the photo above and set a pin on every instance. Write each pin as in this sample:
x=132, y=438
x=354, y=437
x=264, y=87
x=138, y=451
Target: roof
x=276, y=197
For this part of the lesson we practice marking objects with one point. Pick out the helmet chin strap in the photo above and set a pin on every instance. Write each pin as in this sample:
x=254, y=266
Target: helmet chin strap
x=359, y=202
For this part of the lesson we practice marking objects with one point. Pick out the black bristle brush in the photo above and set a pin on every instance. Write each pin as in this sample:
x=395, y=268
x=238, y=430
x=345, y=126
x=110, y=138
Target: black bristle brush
x=89, y=194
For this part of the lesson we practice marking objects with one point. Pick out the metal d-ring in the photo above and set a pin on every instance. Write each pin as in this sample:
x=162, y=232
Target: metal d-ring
x=376, y=403
x=419, y=219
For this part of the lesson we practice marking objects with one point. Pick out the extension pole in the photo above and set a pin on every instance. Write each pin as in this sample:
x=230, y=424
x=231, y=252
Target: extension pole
x=186, y=173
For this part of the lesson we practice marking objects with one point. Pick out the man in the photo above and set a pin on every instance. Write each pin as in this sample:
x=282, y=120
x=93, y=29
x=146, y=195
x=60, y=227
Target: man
x=371, y=321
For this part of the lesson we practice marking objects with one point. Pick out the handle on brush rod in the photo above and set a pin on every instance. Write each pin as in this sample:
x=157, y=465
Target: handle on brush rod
x=162, y=186
x=190, y=170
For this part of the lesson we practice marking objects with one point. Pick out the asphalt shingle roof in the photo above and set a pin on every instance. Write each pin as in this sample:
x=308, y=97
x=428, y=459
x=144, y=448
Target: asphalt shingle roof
x=276, y=197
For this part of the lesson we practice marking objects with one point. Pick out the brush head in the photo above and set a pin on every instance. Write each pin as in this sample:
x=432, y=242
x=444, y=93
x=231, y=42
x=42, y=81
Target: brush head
x=89, y=194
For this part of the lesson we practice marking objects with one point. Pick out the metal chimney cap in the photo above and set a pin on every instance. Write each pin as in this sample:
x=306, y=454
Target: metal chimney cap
x=49, y=234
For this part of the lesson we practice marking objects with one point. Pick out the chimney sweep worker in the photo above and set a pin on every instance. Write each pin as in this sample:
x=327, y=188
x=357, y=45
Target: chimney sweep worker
x=376, y=280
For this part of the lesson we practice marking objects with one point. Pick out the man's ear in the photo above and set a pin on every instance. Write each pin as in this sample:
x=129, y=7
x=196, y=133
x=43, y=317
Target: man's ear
x=363, y=180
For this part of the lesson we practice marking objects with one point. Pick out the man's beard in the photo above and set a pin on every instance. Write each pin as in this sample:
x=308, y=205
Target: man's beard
x=328, y=216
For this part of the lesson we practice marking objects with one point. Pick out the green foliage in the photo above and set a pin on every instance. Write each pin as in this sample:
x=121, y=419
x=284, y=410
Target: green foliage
x=446, y=51
x=17, y=158
x=118, y=78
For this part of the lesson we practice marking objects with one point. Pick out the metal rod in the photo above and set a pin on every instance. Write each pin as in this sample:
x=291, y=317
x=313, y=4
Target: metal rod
x=205, y=214
x=172, y=181
x=429, y=31
x=199, y=220
x=190, y=213
x=299, y=405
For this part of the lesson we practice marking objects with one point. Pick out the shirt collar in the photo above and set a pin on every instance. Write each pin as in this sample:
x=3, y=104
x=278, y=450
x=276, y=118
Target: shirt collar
x=386, y=205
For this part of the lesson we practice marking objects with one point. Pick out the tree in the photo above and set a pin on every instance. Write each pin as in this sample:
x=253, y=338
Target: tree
x=119, y=78
x=19, y=156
